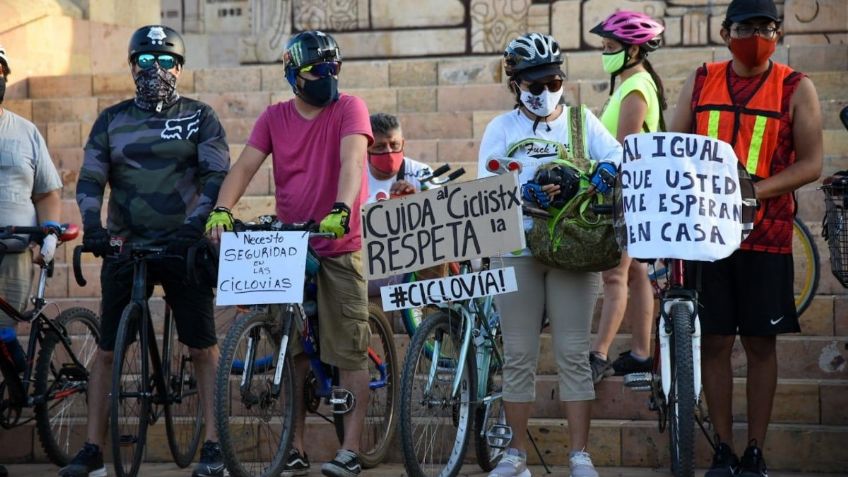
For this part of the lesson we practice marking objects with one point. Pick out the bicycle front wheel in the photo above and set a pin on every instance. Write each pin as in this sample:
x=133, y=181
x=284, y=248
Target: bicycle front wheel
x=183, y=410
x=806, y=265
x=681, y=403
x=383, y=400
x=491, y=435
x=436, y=424
x=131, y=390
x=255, y=417
x=63, y=384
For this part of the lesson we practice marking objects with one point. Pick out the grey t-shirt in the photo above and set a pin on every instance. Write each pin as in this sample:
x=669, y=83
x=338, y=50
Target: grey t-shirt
x=25, y=169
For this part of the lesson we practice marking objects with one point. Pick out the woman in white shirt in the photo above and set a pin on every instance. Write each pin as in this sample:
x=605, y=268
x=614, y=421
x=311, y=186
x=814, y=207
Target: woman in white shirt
x=540, y=123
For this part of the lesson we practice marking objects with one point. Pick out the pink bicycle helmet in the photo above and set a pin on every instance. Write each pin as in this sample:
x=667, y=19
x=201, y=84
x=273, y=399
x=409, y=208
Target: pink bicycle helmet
x=631, y=28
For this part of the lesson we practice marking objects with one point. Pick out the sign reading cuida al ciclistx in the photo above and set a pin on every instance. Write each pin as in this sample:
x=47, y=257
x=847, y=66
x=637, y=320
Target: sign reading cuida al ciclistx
x=480, y=218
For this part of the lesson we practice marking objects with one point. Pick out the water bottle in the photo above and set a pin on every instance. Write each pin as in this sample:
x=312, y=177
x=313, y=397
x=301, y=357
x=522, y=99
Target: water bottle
x=11, y=348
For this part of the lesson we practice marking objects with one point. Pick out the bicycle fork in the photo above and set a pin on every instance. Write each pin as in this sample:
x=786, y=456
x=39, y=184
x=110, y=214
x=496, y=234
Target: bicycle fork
x=665, y=330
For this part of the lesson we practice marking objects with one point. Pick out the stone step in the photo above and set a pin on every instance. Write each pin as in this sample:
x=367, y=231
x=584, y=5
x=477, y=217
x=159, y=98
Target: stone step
x=612, y=442
x=799, y=357
x=583, y=65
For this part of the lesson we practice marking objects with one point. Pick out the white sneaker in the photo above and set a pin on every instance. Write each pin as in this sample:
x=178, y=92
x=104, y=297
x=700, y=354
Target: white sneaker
x=581, y=465
x=512, y=464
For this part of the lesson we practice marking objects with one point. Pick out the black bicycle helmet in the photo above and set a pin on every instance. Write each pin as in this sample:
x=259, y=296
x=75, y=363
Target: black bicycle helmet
x=533, y=54
x=156, y=39
x=308, y=48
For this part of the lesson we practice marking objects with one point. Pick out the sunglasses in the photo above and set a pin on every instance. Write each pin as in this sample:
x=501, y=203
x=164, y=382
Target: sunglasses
x=146, y=61
x=323, y=70
x=538, y=88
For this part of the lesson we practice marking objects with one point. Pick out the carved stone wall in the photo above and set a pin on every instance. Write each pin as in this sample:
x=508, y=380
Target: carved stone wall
x=410, y=28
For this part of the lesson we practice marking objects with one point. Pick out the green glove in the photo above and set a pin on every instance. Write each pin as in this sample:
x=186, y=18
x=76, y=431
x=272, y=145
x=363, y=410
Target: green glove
x=220, y=216
x=337, y=222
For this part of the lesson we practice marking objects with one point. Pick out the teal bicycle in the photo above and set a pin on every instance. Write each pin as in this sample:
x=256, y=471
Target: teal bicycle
x=451, y=389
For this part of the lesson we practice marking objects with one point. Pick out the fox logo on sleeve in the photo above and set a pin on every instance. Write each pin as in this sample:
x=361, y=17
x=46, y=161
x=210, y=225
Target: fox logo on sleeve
x=181, y=128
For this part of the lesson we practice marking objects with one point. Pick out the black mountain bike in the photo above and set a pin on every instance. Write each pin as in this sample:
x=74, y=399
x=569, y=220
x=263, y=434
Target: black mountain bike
x=60, y=379
x=146, y=382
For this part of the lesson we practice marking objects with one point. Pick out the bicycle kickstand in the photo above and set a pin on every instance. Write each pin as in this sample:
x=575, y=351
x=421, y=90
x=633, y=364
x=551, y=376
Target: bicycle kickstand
x=538, y=453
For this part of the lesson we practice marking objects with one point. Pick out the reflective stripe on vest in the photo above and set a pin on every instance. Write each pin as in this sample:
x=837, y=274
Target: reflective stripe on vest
x=751, y=128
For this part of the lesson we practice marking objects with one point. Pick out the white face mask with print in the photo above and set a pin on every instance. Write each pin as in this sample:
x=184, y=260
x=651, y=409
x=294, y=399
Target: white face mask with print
x=541, y=105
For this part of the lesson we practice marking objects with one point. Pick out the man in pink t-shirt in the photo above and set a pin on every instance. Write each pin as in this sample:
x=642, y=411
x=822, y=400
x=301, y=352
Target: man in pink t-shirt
x=318, y=141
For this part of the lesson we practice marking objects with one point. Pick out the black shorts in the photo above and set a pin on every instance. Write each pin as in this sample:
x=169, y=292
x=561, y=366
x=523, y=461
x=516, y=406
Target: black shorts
x=192, y=306
x=749, y=293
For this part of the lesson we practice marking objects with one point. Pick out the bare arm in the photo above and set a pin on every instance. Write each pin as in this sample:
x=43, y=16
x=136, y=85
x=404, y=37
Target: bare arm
x=632, y=115
x=353, y=150
x=809, y=149
x=682, y=119
x=48, y=206
x=239, y=176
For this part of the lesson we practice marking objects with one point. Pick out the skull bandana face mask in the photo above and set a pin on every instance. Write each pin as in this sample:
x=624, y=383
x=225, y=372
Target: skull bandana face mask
x=155, y=88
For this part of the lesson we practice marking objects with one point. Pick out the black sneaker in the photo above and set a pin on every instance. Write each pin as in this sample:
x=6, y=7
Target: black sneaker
x=627, y=364
x=725, y=463
x=211, y=462
x=297, y=464
x=3, y=471
x=87, y=463
x=345, y=464
x=753, y=464
x=600, y=367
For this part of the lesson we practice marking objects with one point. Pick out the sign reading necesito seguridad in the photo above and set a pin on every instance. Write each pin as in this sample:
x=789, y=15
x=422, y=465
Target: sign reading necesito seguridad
x=455, y=222
x=261, y=267
x=680, y=197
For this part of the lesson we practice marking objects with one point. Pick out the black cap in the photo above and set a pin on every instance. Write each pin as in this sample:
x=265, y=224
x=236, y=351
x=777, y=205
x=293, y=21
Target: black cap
x=741, y=10
x=539, y=72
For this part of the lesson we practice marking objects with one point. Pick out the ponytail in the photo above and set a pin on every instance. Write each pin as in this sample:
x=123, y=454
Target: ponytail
x=660, y=92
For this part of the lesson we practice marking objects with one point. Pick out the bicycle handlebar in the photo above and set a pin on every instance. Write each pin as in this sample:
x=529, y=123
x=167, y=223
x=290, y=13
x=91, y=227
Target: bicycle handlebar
x=277, y=226
x=67, y=233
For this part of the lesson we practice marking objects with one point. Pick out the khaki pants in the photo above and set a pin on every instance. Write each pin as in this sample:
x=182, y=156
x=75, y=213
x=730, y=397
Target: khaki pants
x=568, y=300
x=343, y=329
x=15, y=282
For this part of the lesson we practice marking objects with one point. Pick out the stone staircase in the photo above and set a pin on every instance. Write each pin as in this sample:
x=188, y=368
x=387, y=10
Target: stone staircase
x=444, y=106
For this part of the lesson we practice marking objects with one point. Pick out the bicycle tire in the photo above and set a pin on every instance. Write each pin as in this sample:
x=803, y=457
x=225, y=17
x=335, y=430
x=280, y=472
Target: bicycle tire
x=131, y=392
x=183, y=409
x=488, y=457
x=447, y=413
x=383, y=402
x=242, y=443
x=806, y=264
x=681, y=405
x=54, y=431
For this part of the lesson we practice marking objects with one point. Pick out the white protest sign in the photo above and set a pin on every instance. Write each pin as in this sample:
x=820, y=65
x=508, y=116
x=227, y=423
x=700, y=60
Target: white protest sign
x=681, y=197
x=261, y=267
x=455, y=222
x=456, y=288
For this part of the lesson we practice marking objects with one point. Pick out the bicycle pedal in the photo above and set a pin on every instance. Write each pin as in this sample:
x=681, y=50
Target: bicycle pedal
x=638, y=381
x=342, y=400
x=499, y=436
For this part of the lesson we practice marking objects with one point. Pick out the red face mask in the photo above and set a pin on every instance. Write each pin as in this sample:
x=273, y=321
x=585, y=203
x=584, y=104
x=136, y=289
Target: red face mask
x=752, y=51
x=388, y=162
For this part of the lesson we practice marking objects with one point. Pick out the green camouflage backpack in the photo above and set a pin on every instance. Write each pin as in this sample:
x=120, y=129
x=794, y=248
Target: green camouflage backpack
x=576, y=238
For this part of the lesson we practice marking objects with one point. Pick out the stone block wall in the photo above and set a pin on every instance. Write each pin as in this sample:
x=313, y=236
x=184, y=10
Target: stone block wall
x=408, y=28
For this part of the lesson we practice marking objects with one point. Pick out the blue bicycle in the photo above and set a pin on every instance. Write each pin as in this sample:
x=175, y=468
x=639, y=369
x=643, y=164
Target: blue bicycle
x=255, y=390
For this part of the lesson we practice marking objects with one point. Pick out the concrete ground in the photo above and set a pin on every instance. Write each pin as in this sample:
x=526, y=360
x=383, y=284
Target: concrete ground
x=388, y=470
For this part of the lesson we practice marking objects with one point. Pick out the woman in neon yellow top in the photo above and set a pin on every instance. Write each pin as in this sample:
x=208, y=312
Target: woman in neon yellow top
x=636, y=106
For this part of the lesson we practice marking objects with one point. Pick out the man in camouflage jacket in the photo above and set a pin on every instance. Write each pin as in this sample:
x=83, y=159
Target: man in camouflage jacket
x=164, y=158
